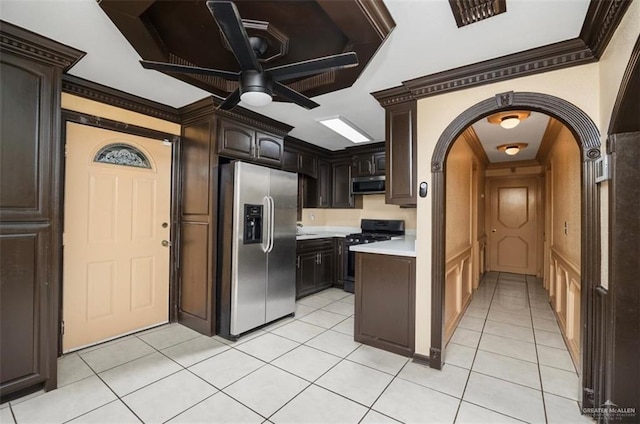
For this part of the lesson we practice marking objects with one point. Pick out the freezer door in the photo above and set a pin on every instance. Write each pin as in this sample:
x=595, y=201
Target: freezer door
x=281, y=281
x=249, y=260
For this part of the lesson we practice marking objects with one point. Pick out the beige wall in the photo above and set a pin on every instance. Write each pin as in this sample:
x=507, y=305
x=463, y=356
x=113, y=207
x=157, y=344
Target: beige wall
x=373, y=207
x=564, y=159
x=593, y=88
x=577, y=85
x=90, y=107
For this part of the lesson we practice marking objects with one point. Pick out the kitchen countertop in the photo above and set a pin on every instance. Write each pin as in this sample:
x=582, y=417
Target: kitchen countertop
x=405, y=246
x=310, y=233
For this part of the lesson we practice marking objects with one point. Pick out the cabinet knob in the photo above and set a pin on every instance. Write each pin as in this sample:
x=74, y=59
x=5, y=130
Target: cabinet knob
x=166, y=243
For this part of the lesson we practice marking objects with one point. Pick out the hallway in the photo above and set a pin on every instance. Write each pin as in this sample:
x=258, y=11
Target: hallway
x=520, y=366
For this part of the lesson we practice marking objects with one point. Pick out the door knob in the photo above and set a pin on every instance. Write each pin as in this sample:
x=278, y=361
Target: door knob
x=166, y=243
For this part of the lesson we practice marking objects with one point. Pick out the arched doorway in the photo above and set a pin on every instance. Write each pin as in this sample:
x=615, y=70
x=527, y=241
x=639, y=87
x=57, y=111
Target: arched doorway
x=588, y=137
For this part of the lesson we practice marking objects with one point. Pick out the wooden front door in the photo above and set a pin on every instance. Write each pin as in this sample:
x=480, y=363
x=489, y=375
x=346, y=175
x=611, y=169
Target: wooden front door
x=513, y=225
x=116, y=234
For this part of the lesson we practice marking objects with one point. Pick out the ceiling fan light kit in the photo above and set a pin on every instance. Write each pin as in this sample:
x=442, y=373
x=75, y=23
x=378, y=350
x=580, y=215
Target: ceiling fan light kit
x=509, y=119
x=512, y=149
x=257, y=86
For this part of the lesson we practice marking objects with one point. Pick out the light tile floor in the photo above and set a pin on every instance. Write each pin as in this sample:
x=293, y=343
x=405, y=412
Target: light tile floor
x=505, y=363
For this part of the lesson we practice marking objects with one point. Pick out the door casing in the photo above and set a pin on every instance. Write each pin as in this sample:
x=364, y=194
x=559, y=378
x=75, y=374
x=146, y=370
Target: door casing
x=588, y=136
x=176, y=170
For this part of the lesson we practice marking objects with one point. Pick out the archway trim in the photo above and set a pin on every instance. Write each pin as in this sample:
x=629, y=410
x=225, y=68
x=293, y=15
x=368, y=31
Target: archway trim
x=588, y=137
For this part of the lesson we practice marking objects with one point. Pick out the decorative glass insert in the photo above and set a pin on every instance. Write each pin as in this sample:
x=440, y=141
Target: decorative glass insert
x=122, y=154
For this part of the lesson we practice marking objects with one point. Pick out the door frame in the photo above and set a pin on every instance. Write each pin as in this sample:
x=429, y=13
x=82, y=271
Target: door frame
x=69, y=116
x=588, y=137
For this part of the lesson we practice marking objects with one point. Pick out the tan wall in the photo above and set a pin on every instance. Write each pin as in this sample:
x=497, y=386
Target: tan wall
x=577, y=85
x=565, y=162
x=90, y=107
x=373, y=207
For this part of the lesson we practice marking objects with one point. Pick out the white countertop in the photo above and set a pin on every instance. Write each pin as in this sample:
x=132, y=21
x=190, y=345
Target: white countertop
x=309, y=233
x=405, y=246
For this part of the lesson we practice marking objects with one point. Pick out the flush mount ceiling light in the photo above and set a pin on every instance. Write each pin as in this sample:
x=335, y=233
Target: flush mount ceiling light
x=512, y=148
x=345, y=129
x=509, y=119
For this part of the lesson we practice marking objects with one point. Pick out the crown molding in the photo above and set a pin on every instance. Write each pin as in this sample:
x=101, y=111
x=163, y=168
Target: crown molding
x=113, y=97
x=26, y=43
x=603, y=17
x=601, y=22
x=470, y=136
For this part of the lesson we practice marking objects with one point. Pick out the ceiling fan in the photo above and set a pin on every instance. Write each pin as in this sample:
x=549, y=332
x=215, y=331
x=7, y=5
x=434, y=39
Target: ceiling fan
x=256, y=85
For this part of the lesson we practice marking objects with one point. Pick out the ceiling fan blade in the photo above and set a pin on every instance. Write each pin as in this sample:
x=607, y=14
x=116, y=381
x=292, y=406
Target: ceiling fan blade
x=313, y=66
x=231, y=100
x=181, y=69
x=228, y=19
x=294, y=96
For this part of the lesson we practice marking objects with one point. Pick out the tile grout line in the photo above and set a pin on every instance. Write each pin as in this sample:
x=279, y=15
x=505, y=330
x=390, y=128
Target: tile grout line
x=476, y=351
x=544, y=403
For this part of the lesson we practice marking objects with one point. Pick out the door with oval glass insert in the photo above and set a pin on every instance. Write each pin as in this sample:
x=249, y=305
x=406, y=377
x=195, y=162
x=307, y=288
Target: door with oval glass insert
x=513, y=225
x=117, y=210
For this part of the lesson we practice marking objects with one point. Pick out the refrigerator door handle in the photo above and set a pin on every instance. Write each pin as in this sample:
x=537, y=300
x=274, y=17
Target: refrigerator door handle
x=266, y=223
x=272, y=224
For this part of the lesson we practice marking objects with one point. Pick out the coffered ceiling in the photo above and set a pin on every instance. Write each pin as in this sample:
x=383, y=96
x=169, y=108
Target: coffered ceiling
x=425, y=41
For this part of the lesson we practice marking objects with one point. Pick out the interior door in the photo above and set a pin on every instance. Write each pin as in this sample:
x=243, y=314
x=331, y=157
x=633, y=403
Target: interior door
x=116, y=235
x=513, y=224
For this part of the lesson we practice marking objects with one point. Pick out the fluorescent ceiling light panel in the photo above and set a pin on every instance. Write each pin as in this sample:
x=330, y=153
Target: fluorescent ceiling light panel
x=345, y=129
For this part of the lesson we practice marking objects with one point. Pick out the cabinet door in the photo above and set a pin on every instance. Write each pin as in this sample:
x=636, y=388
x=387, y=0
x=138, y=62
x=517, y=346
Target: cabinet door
x=325, y=269
x=401, y=151
x=324, y=184
x=341, y=191
x=306, y=274
x=236, y=140
x=363, y=166
x=290, y=161
x=308, y=165
x=269, y=149
x=385, y=302
x=379, y=163
x=25, y=325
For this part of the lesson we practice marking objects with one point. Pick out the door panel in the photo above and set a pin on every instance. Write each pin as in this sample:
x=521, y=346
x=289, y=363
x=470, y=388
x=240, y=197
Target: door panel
x=248, y=279
x=116, y=269
x=513, y=222
x=281, y=280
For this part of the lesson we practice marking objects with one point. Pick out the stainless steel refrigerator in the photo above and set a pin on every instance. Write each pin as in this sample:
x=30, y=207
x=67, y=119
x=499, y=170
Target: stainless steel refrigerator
x=257, y=250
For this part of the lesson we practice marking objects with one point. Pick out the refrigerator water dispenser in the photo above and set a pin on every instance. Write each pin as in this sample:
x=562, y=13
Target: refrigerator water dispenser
x=252, y=224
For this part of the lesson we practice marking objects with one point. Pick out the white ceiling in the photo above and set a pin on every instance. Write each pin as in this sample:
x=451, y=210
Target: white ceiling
x=528, y=131
x=426, y=40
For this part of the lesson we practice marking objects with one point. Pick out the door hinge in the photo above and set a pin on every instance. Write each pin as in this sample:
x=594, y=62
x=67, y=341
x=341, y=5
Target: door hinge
x=64, y=239
x=62, y=327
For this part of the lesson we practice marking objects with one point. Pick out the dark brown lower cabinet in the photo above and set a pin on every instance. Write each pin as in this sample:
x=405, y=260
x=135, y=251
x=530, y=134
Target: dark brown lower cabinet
x=385, y=302
x=26, y=330
x=314, y=266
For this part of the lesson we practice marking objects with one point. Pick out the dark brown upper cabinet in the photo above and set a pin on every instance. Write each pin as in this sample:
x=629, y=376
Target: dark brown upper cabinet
x=369, y=164
x=302, y=163
x=341, y=196
x=401, y=147
x=31, y=70
x=239, y=141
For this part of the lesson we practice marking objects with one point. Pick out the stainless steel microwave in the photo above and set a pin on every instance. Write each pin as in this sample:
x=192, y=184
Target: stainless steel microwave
x=368, y=185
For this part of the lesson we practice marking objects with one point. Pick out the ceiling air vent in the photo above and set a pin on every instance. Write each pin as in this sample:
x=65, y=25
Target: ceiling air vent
x=469, y=11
